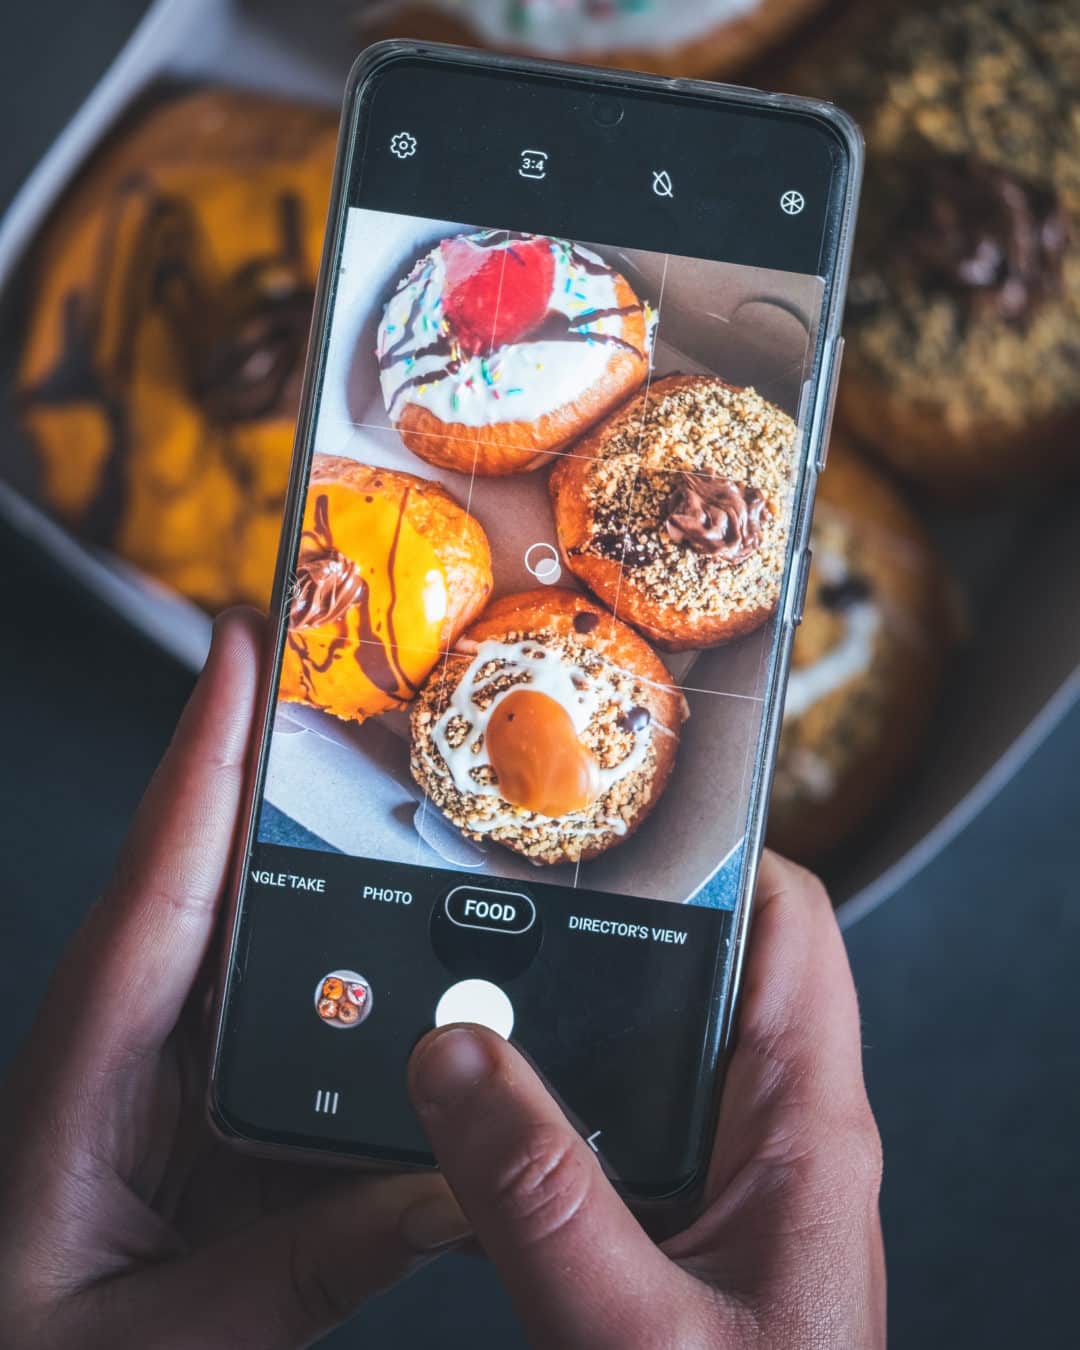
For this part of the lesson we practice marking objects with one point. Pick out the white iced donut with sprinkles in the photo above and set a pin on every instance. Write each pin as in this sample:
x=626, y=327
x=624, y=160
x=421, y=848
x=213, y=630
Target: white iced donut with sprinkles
x=500, y=348
x=673, y=37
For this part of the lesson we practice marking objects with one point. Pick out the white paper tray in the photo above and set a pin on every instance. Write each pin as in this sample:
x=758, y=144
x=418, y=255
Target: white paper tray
x=1008, y=688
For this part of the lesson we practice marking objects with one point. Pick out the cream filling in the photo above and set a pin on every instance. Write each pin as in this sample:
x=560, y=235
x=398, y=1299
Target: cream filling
x=846, y=661
x=850, y=658
x=547, y=672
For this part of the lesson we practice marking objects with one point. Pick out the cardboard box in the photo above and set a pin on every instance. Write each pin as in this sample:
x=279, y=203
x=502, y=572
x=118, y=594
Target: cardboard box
x=1009, y=686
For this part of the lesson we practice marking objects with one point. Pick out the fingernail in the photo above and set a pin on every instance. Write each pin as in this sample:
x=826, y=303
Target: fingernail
x=434, y=1223
x=450, y=1065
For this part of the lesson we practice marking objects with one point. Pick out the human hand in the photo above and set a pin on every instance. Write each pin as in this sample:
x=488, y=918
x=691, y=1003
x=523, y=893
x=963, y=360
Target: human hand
x=787, y=1251
x=124, y=1222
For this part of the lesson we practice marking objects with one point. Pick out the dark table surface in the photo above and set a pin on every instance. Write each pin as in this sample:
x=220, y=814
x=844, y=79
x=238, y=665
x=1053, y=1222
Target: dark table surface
x=967, y=976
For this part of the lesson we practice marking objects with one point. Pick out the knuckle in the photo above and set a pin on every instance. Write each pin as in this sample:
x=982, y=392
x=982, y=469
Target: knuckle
x=845, y=1165
x=865, y=1151
x=789, y=889
x=544, y=1185
x=810, y=885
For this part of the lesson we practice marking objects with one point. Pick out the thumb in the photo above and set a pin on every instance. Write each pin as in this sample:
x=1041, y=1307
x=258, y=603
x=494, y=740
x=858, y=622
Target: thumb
x=578, y=1266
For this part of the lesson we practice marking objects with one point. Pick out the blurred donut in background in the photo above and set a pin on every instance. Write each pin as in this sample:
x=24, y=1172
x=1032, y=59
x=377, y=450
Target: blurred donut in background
x=670, y=37
x=170, y=304
x=963, y=320
x=866, y=665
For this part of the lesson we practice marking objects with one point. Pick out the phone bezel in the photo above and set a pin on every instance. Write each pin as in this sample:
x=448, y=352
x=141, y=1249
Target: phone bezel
x=839, y=229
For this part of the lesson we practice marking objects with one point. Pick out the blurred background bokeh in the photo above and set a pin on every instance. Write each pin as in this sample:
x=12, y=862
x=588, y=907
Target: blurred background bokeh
x=154, y=426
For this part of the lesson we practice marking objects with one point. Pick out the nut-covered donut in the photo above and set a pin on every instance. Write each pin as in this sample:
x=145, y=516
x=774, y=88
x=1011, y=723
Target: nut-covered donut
x=674, y=510
x=551, y=728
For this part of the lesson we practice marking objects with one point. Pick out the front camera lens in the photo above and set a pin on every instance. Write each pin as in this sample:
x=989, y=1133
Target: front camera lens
x=607, y=112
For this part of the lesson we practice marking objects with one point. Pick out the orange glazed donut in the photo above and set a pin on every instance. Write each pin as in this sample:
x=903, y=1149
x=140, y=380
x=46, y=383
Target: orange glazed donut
x=499, y=348
x=172, y=294
x=390, y=569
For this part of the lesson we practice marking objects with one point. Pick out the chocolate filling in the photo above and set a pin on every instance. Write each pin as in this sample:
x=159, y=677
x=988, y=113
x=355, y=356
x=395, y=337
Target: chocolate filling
x=987, y=234
x=328, y=585
x=715, y=516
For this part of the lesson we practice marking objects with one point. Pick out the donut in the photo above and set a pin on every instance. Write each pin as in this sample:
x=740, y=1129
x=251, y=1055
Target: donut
x=551, y=728
x=866, y=664
x=674, y=510
x=169, y=303
x=357, y=994
x=670, y=37
x=332, y=987
x=963, y=318
x=500, y=348
x=328, y=1009
x=390, y=569
x=348, y=1013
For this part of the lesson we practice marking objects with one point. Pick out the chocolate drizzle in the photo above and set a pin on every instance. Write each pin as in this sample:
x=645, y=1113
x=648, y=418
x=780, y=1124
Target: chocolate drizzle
x=715, y=516
x=240, y=339
x=329, y=586
x=414, y=345
x=988, y=235
x=558, y=327
x=634, y=720
x=838, y=596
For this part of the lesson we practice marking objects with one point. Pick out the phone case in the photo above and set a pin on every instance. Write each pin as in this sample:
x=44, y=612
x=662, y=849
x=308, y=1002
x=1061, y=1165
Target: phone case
x=821, y=387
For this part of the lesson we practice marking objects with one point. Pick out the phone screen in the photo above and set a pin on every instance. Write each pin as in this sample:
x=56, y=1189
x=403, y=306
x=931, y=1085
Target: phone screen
x=537, y=594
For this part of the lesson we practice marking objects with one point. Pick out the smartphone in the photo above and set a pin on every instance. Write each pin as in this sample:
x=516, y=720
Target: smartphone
x=544, y=551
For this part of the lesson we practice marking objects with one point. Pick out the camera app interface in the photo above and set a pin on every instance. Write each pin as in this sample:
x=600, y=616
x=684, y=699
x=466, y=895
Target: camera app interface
x=530, y=625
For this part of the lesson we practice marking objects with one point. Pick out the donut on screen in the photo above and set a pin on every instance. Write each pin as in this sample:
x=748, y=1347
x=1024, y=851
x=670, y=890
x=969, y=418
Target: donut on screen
x=498, y=348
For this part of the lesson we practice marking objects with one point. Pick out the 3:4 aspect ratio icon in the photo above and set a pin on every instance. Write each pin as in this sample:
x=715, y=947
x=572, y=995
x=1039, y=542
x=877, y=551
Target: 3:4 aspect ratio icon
x=533, y=164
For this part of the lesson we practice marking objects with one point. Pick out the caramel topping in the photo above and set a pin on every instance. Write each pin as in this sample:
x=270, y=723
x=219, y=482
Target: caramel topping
x=538, y=759
x=715, y=516
x=328, y=585
x=989, y=234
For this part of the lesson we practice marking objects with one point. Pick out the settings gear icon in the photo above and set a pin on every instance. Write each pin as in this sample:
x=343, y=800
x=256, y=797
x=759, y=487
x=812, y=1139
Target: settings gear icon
x=403, y=145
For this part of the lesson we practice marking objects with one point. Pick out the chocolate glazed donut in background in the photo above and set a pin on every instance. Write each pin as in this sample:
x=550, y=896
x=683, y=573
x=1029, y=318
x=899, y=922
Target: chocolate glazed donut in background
x=962, y=365
x=172, y=294
x=500, y=348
